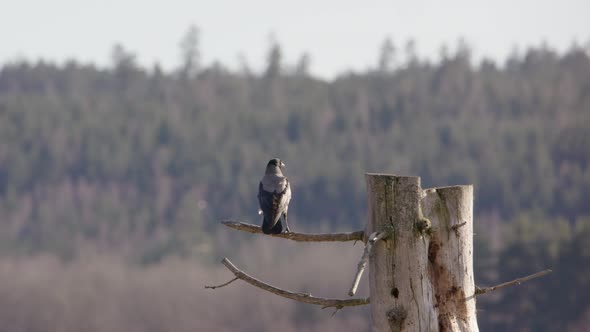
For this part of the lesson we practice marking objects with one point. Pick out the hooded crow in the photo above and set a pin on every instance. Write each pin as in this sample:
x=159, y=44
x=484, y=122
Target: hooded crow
x=274, y=194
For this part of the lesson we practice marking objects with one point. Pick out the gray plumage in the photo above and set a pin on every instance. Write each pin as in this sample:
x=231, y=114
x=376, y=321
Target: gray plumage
x=274, y=194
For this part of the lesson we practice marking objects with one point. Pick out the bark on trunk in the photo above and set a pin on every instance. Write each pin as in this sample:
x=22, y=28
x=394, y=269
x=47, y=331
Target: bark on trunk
x=419, y=277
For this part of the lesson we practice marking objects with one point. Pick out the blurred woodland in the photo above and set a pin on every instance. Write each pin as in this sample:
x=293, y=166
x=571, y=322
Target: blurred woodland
x=113, y=182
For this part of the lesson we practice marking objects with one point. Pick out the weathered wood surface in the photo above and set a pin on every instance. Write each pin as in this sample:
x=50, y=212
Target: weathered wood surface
x=450, y=211
x=419, y=276
x=401, y=293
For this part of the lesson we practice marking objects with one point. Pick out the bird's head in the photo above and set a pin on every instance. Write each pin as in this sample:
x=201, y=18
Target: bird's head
x=274, y=166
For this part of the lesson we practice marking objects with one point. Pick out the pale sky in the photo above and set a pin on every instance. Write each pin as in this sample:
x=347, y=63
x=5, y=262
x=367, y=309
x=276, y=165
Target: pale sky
x=339, y=35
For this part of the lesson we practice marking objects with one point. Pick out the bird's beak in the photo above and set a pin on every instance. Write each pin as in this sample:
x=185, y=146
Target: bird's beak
x=283, y=164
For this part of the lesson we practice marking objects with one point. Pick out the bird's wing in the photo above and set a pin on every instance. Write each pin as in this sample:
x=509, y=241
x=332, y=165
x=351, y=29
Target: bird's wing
x=264, y=200
x=285, y=197
x=275, y=201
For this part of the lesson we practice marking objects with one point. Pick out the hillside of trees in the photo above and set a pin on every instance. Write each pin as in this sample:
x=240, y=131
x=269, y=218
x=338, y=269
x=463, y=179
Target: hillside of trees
x=142, y=164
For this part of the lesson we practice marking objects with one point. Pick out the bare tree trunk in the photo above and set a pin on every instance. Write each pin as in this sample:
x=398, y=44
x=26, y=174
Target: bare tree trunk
x=420, y=275
x=401, y=293
x=450, y=210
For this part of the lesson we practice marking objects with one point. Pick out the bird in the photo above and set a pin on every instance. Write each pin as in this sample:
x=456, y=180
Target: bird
x=274, y=195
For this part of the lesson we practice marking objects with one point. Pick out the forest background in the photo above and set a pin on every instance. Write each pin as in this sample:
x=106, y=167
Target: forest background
x=113, y=182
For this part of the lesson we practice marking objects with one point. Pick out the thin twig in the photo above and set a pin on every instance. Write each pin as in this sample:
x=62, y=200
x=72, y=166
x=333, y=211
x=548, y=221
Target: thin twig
x=518, y=281
x=350, y=236
x=361, y=267
x=301, y=297
x=455, y=227
x=225, y=284
x=374, y=237
x=335, y=311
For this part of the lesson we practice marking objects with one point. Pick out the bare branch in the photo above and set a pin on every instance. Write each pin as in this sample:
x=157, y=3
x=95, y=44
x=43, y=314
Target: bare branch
x=360, y=269
x=225, y=284
x=374, y=237
x=327, y=237
x=301, y=297
x=518, y=281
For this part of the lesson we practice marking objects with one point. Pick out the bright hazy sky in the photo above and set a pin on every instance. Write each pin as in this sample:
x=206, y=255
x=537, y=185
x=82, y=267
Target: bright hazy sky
x=340, y=35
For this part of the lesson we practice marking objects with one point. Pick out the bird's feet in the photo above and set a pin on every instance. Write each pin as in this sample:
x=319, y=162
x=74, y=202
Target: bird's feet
x=288, y=230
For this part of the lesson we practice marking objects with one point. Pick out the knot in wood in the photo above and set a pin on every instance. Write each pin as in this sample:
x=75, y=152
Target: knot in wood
x=397, y=314
x=396, y=317
x=423, y=225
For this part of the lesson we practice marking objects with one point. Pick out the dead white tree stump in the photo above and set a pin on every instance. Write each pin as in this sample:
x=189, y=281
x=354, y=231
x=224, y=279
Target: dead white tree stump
x=421, y=275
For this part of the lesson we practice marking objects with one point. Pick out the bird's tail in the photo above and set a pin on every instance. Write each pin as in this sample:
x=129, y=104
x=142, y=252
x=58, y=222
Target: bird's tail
x=268, y=229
